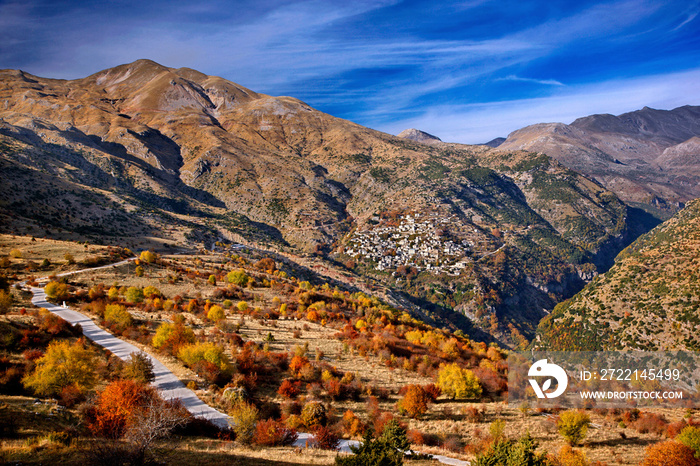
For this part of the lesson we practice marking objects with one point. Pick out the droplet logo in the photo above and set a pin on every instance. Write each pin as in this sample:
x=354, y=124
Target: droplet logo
x=544, y=369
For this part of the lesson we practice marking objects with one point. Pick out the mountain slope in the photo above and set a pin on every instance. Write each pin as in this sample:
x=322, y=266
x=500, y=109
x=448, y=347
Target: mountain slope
x=648, y=300
x=642, y=156
x=176, y=153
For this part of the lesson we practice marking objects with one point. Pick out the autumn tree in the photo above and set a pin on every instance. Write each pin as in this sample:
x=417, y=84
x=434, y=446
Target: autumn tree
x=170, y=337
x=5, y=301
x=139, y=368
x=237, y=277
x=458, y=383
x=118, y=316
x=64, y=364
x=243, y=421
x=134, y=294
x=56, y=290
x=415, y=402
x=148, y=257
x=216, y=313
x=690, y=437
x=669, y=453
x=573, y=426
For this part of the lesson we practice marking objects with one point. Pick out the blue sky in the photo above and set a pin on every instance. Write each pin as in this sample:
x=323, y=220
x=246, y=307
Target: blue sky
x=465, y=71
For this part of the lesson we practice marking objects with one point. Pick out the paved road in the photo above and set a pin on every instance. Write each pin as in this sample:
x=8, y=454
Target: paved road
x=169, y=386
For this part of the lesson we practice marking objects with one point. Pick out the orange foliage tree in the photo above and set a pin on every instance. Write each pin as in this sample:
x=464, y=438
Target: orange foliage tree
x=669, y=453
x=415, y=402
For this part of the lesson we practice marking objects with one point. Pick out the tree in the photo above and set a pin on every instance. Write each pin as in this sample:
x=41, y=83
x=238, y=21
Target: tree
x=139, y=368
x=573, y=426
x=509, y=453
x=136, y=413
x=415, y=402
x=458, y=383
x=193, y=353
x=56, y=290
x=5, y=301
x=243, y=421
x=669, y=453
x=690, y=437
x=216, y=313
x=134, y=294
x=171, y=337
x=62, y=365
x=237, y=277
x=272, y=433
x=387, y=450
x=148, y=257
x=118, y=316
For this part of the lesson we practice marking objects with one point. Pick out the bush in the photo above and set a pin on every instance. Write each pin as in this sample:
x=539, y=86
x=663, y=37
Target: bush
x=509, y=453
x=273, y=433
x=313, y=414
x=56, y=290
x=148, y=257
x=118, y=316
x=134, y=294
x=669, y=453
x=690, y=437
x=116, y=406
x=193, y=353
x=289, y=389
x=458, y=383
x=139, y=368
x=5, y=301
x=570, y=457
x=324, y=438
x=237, y=277
x=62, y=365
x=216, y=313
x=243, y=421
x=573, y=426
x=171, y=337
x=414, y=403
x=387, y=450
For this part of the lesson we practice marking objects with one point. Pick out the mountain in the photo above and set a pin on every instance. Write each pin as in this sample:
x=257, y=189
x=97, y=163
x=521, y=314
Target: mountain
x=647, y=157
x=648, y=300
x=143, y=150
x=495, y=142
x=418, y=136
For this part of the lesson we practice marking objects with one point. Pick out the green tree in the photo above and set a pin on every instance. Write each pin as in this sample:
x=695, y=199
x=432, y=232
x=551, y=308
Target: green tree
x=62, y=365
x=573, y=426
x=509, y=453
x=458, y=383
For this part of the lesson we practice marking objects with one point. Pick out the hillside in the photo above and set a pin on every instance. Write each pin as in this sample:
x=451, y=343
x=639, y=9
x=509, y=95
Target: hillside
x=648, y=300
x=181, y=158
x=647, y=157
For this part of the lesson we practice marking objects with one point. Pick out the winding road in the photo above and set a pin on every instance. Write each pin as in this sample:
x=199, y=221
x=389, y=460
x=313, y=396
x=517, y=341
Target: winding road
x=169, y=386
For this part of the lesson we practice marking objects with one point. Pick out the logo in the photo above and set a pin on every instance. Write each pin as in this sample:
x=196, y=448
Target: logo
x=544, y=369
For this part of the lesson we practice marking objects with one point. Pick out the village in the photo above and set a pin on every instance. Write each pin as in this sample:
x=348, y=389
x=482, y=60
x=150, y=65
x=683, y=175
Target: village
x=419, y=240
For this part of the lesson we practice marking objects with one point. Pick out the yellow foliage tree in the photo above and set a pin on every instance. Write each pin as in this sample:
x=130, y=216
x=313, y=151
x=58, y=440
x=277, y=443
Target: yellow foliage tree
x=64, y=364
x=458, y=383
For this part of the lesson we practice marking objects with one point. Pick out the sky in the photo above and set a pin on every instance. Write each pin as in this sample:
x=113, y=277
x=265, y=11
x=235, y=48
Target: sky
x=465, y=71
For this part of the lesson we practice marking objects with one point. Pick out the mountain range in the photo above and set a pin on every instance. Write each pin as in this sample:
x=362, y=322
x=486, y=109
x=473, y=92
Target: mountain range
x=142, y=150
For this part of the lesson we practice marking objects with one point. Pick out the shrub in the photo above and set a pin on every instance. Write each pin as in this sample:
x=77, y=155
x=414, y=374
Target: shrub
x=116, y=407
x=432, y=390
x=313, y=414
x=324, y=438
x=273, y=433
x=56, y=290
x=16, y=253
x=171, y=337
x=5, y=301
x=148, y=257
x=570, y=457
x=242, y=306
x=243, y=421
x=458, y=383
x=216, y=313
x=289, y=389
x=387, y=450
x=669, y=453
x=237, y=277
x=134, y=294
x=139, y=368
x=118, y=316
x=414, y=403
x=193, y=353
x=509, y=453
x=573, y=426
x=690, y=437
x=62, y=365
x=151, y=292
